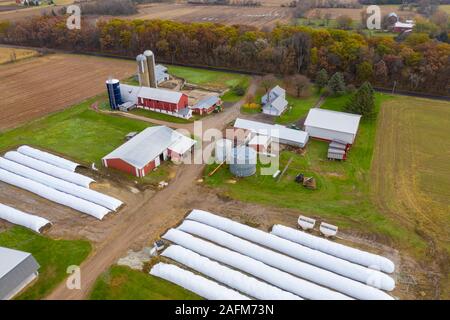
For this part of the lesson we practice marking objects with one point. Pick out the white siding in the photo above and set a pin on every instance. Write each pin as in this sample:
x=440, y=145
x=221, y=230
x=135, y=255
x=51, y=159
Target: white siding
x=329, y=134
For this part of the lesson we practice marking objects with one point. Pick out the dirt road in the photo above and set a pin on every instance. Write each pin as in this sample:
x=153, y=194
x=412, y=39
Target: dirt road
x=155, y=213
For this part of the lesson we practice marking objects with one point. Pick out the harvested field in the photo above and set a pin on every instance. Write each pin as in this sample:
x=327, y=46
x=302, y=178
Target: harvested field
x=12, y=54
x=35, y=87
x=254, y=16
x=355, y=14
x=411, y=176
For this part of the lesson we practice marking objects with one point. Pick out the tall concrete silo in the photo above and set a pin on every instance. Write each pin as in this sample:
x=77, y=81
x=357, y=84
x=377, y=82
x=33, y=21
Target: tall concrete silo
x=142, y=70
x=151, y=68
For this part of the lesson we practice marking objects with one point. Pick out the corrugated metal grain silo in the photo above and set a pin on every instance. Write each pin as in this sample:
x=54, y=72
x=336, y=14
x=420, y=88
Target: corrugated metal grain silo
x=243, y=161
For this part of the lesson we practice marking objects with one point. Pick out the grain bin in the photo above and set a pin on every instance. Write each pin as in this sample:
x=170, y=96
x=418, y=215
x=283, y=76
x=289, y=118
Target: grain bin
x=115, y=98
x=243, y=161
x=142, y=70
x=151, y=68
x=223, y=150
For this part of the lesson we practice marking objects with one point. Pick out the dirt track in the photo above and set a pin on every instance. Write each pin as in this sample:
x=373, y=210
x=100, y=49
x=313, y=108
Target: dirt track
x=140, y=222
x=52, y=83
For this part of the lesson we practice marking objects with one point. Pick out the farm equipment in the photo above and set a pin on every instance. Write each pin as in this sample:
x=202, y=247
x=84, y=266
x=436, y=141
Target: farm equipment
x=309, y=183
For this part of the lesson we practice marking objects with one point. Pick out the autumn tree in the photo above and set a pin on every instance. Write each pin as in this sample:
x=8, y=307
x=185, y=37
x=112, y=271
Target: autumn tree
x=344, y=22
x=336, y=84
x=321, y=79
x=299, y=83
x=268, y=81
x=362, y=101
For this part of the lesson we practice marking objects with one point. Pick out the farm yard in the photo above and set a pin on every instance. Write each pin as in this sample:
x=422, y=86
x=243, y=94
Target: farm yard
x=53, y=82
x=357, y=195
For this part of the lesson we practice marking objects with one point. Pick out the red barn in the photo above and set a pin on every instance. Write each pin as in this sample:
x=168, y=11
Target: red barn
x=207, y=105
x=153, y=98
x=145, y=151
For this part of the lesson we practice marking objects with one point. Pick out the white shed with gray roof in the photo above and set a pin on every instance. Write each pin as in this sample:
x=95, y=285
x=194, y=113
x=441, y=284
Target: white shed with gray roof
x=17, y=270
x=332, y=125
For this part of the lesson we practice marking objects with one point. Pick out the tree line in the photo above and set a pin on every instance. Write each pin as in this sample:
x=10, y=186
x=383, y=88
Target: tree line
x=419, y=63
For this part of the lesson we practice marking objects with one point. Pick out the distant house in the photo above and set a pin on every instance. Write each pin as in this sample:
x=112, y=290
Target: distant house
x=332, y=125
x=174, y=103
x=274, y=101
x=206, y=105
x=17, y=270
x=292, y=137
x=145, y=151
x=406, y=26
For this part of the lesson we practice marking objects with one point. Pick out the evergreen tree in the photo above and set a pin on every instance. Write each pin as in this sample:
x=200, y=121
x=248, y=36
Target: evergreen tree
x=336, y=84
x=321, y=79
x=362, y=101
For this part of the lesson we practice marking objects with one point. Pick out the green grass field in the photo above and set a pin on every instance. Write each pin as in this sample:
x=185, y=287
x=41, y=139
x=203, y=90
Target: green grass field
x=300, y=107
x=209, y=78
x=343, y=194
x=54, y=256
x=78, y=132
x=123, y=283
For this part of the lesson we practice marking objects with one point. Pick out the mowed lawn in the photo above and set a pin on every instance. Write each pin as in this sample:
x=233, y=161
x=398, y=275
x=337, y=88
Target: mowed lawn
x=123, y=283
x=213, y=79
x=344, y=189
x=53, y=256
x=78, y=132
x=209, y=78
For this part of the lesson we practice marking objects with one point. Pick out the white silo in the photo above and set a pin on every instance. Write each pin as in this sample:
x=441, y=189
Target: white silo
x=151, y=68
x=223, y=150
x=142, y=70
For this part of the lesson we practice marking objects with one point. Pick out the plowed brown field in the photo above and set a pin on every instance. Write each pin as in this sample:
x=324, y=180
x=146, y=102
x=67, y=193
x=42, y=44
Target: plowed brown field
x=38, y=86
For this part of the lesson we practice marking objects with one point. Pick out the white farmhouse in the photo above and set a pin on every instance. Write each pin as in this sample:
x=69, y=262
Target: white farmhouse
x=274, y=102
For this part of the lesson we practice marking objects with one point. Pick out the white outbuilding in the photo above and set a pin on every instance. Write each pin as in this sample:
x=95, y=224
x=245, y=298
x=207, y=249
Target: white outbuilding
x=17, y=270
x=332, y=125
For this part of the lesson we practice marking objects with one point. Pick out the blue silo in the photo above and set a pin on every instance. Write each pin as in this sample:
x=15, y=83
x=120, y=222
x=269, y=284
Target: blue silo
x=115, y=98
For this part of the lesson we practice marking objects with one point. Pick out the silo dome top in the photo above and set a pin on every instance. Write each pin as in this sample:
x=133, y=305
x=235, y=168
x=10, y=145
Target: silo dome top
x=148, y=53
x=140, y=58
x=112, y=81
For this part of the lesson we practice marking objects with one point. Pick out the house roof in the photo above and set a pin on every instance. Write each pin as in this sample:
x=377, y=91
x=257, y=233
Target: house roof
x=150, y=143
x=131, y=93
x=276, y=131
x=333, y=120
x=404, y=25
x=277, y=91
x=280, y=103
x=206, y=103
x=9, y=259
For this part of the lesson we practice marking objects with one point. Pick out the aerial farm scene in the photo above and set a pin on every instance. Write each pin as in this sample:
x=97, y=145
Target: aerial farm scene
x=224, y=150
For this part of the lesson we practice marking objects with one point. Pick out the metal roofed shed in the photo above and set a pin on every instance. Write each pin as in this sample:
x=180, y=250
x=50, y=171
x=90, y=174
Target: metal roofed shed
x=332, y=125
x=296, y=138
x=146, y=150
x=336, y=154
x=207, y=105
x=17, y=270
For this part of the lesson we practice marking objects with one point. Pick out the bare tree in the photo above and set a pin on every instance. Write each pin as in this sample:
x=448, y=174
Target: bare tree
x=268, y=81
x=299, y=84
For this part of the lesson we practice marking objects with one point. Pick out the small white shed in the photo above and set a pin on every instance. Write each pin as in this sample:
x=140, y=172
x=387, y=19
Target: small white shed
x=332, y=125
